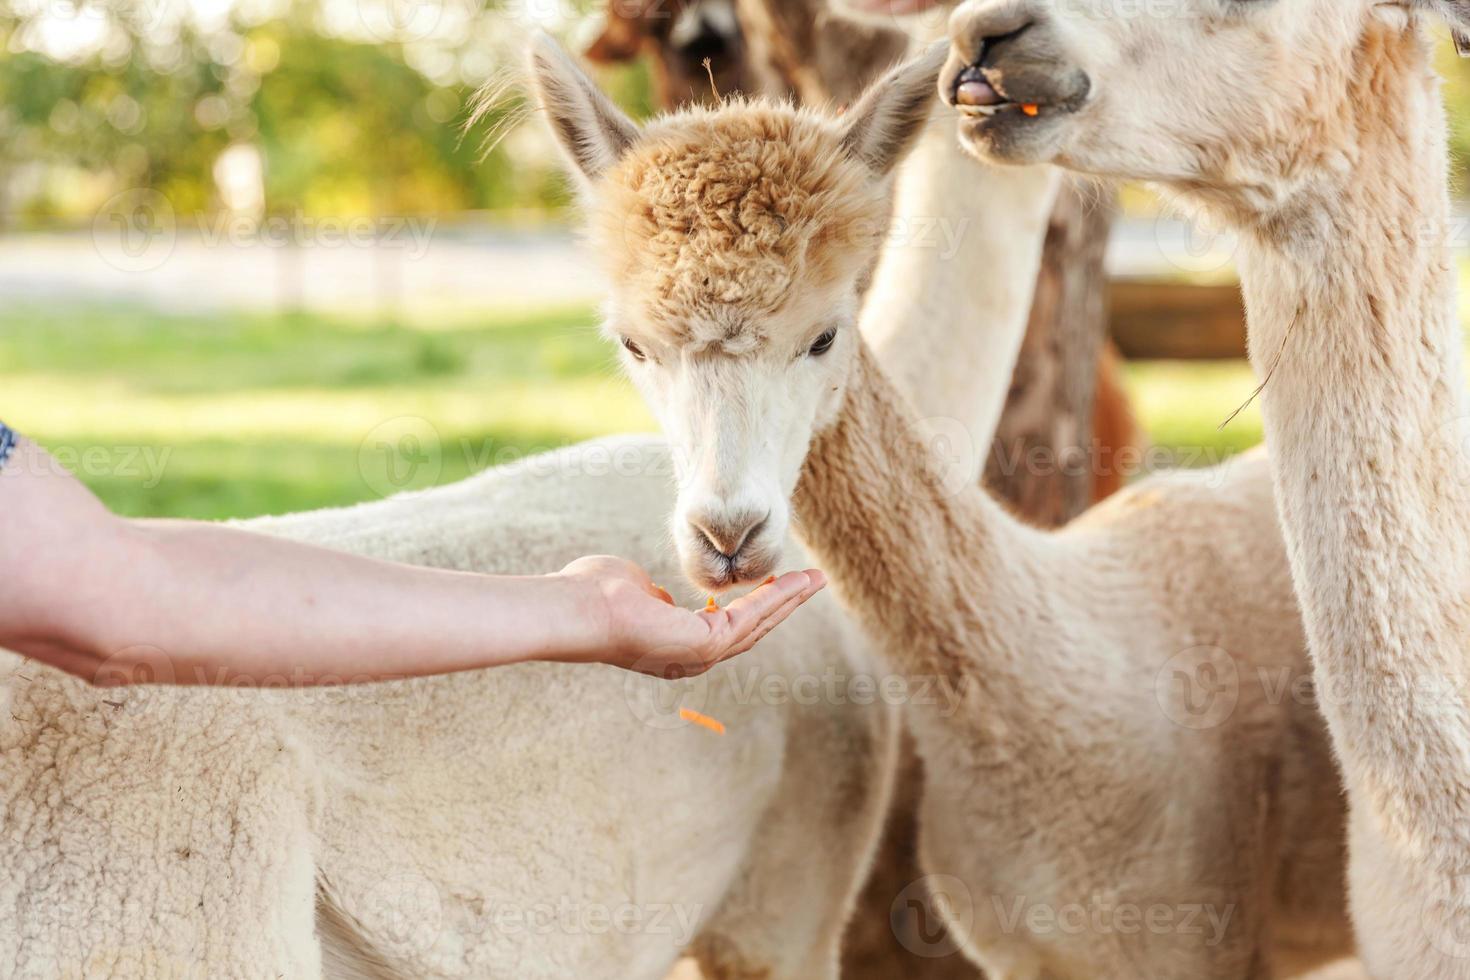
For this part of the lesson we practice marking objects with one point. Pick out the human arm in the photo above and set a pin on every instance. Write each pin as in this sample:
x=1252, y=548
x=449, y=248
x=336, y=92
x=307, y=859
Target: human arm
x=117, y=601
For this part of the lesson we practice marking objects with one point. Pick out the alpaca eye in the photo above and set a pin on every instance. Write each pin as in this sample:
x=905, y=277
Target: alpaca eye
x=634, y=349
x=823, y=343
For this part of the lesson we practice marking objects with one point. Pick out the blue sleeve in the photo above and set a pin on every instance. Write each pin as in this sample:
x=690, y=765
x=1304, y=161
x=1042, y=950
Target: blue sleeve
x=7, y=444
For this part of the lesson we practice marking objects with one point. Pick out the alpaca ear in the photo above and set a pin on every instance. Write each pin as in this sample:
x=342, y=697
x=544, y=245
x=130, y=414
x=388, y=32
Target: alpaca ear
x=594, y=133
x=888, y=117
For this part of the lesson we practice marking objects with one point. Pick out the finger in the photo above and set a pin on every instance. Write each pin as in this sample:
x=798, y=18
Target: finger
x=742, y=615
x=739, y=645
x=739, y=641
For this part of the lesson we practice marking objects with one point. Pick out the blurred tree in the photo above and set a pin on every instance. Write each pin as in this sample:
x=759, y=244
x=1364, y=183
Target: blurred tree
x=345, y=122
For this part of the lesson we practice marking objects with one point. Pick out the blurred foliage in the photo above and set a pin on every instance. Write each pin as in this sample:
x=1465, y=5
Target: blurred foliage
x=355, y=107
x=344, y=123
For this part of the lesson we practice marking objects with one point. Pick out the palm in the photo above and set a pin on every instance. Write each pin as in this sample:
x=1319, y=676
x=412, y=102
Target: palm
x=650, y=634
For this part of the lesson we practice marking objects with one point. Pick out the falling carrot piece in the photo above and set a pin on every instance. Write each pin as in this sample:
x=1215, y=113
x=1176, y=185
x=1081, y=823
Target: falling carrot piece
x=1031, y=109
x=704, y=721
x=711, y=605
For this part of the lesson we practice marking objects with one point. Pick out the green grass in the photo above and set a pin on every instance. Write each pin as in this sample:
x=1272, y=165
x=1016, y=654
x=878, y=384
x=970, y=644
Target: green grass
x=234, y=415
x=231, y=415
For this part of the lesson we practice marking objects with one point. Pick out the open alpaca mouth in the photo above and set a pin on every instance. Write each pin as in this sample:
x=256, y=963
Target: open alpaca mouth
x=976, y=95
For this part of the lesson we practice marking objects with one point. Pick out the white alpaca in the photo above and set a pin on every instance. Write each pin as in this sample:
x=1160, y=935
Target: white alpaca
x=1316, y=129
x=496, y=823
x=1080, y=776
x=421, y=818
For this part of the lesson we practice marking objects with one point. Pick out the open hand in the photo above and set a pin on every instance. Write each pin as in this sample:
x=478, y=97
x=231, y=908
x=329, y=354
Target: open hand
x=645, y=631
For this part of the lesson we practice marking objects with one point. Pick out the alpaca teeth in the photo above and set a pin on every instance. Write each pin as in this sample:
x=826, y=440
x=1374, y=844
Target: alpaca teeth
x=979, y=110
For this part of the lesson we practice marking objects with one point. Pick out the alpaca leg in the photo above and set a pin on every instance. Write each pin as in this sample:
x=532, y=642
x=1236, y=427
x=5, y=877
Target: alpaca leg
x=786, y=918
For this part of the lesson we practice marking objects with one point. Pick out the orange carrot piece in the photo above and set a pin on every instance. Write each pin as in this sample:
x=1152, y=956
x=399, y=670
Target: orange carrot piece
x=1031, y=109
x=704, y=721
x=711, y=605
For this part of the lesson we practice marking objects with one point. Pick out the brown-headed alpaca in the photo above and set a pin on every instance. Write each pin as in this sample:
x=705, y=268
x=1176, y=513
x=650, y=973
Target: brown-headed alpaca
x=1315, y=129
x=1081, y=803
x=771, y=48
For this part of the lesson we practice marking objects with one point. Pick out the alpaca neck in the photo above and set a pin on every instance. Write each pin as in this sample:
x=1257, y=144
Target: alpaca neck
x=937, y=571
x=950, y=299
x=1351, y=299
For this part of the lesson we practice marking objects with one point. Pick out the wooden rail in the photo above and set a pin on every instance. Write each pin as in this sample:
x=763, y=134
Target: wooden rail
x=1164, y=320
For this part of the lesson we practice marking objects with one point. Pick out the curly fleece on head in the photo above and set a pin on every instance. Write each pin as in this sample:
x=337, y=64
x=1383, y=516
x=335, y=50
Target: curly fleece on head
x=718, y=216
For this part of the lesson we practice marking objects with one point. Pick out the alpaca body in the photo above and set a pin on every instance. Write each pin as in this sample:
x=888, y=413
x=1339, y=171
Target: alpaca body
x=1076, y=774
x=1121, y=731
x=487, y=824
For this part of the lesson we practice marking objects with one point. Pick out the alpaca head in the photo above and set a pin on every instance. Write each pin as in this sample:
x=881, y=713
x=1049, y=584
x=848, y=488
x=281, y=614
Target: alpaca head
x=1250, y=96
x=681, y=35
x=734, y=239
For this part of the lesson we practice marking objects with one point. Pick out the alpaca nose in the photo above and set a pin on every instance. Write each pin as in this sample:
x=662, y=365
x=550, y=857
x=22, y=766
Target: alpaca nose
x=727, y=534
x=977, y=28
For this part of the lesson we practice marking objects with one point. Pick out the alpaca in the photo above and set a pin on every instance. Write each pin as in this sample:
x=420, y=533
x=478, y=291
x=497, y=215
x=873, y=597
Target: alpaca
x=1333, y=170
x=819, y=56
x=1081, y=775
x=150, y=832
x=216, y=858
